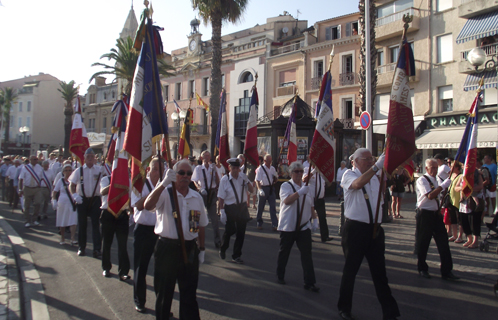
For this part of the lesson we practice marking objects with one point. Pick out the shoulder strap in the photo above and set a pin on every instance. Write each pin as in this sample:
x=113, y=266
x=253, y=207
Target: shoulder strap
x=176, y=215
x=82, y=182
x=367, y=200
x=68, y=194
x=267, y=176
x=31, y=170
x=235, y=192
x=432, y=188
x=96, y=184
x=298, y=223
x=148, y=185
x=205, y=178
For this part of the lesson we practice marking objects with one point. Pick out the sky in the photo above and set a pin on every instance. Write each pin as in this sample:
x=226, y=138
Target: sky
x=64, y=37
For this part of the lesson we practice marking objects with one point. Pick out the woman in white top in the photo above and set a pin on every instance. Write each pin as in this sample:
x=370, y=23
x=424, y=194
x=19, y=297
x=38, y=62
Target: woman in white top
x=66, y=213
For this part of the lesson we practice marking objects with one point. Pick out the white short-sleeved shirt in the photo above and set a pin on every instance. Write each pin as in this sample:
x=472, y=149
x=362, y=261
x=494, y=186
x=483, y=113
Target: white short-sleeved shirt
x=90, y=180
x=104, y=182
x=355, y=205
x=198, y=177
x=145, y=217
x=443, y=173
x=225, y=191
x=63, y=197
x=423, y=189
x=11, y=172
x=221, y=171
x=317, y=187
x=165, y=223
x=50, y=176
x=28, y=179
x=288, y=213
x=340, y=173
x=261, y=175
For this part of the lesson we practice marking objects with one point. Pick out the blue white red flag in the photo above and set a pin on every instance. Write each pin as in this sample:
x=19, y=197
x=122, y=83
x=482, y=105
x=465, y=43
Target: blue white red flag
x=78, y=142
x=221, y=141
x=290, y=136
x=178, y=109
x=322, y=146
x=467, y=152
x=147, y=119
x=400, y=135
x=251, y=144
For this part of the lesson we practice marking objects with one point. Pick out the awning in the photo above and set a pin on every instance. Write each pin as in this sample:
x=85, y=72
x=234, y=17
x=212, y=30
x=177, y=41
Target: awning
x=382, y=128
x=97, y=144
x=479, y=27
x=487, y=137
x=472, y=81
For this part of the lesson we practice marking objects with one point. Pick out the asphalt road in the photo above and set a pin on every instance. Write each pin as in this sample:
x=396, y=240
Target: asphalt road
x=75, y=288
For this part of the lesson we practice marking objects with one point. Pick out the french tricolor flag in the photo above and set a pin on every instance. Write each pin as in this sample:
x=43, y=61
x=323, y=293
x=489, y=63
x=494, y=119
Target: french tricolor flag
x=290, y=136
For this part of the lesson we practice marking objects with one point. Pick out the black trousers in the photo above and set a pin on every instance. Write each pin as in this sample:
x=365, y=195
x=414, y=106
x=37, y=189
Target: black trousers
x=4, y=189
x=89, y=208
x=144, y=241
x=430, y=224
x=357, y=242
x=119, y=226
x=322, y=218
x=13, y=196
x=471, y=223
x=236, y=224
x=303, y=242
x=169, y=267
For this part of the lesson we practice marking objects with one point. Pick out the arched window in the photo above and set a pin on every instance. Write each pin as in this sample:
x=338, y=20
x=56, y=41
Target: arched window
x=247, y=77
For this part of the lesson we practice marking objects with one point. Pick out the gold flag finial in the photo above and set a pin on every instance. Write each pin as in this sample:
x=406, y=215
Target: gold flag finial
x=407, y=19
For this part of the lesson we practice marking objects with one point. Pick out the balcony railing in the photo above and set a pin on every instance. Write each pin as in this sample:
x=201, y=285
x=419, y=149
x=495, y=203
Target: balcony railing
x=490, y=49
x=285, y=91
x=466, y=1
x=316, y=82
x=347, y=122
x=348, y=79
x=386, y=68
x=286, y=49
x=396, y=16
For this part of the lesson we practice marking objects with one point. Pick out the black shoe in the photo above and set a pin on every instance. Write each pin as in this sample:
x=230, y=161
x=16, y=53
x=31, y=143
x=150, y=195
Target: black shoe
x=237, y=260
x=281, y=281
x=217, y=245
x=345, y=315
x=81, y=253
x=140, y=309
x=106, y=273
x=424, y=274
x=311, y=287
x=96, y=254
x=450, y=277
x=328, y=239
x=222, y=254
x=124, y=277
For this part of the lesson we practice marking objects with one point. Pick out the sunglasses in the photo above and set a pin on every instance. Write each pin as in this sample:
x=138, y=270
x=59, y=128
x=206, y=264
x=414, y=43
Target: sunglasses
x=298, y=171
x=183, y=172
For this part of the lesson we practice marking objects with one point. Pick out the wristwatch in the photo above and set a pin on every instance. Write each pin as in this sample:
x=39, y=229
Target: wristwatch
x=374, y=168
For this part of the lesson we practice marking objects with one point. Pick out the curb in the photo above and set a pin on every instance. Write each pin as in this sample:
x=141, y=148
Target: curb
x=32, y=303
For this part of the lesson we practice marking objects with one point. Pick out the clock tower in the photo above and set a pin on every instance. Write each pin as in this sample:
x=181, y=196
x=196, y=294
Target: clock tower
x=194, y=38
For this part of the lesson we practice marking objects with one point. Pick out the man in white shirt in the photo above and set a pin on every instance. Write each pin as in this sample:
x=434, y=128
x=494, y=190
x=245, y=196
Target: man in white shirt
x=443, y=171
x=232, y=197
x=30, y=188
x=144, y=237
x=47, y=181
x=292, y=195
x=169, y=260
x=13, y=176
x=430, y=222
x=86, y=193
x=361, y=190
x=206, y=180
x=266, y=177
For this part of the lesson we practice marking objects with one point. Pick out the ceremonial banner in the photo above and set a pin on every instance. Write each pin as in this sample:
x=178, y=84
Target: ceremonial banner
x=467, y=153
x=251, y=144
x=322, y=146
x=290, y=136
x=120, y=180
x=222, y=132
x=400, y=135
x=201, y=103
x=78, y=142
x=177, y=108
x=147, y=119
x=184, y=144
x=324, y=98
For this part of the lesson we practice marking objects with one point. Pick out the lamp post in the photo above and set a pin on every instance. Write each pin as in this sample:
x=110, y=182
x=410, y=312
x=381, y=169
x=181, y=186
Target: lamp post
x=178, y=117
x=23, y=131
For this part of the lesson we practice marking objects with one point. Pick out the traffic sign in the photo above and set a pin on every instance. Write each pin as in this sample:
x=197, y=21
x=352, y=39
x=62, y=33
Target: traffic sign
x=365, y=120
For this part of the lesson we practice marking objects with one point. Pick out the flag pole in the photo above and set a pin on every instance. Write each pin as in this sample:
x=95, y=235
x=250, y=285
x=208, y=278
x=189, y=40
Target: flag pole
x=252, y=89
x=406, y=19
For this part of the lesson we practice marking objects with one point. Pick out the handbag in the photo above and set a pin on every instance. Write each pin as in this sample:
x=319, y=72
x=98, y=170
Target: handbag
x=476, y=204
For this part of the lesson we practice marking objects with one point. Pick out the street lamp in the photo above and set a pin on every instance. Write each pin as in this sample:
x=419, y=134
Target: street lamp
x=23, y=131
x=178, y=117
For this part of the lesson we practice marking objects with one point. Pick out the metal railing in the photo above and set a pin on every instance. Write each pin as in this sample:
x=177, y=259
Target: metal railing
x=396, y=16
x=316, y=82
x=289, y=48
x=386, y=68
x=348, y=123
x=490, y=49
x=348, y=79
x=466, y=1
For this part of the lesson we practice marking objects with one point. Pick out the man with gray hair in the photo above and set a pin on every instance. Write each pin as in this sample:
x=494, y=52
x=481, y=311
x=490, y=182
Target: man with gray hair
x=30, y=188
x=266, y=177
x=47, y=180
x=361, y=190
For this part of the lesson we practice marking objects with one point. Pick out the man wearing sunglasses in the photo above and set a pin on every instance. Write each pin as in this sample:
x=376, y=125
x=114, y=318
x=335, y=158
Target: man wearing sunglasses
x=361, y=190
x=169, y=263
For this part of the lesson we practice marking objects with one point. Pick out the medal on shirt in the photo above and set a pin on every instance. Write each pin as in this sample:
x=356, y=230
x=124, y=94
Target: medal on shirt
x=194, y=218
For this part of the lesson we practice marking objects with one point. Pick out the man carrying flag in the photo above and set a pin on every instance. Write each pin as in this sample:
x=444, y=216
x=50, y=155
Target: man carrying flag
x=251, y=144
x=78, y=143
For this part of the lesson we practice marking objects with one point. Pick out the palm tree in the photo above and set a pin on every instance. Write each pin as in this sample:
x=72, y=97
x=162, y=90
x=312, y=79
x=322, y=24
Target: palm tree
x=215, y=12
x=7, y=98
x=69, y=93
x=125, y=60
